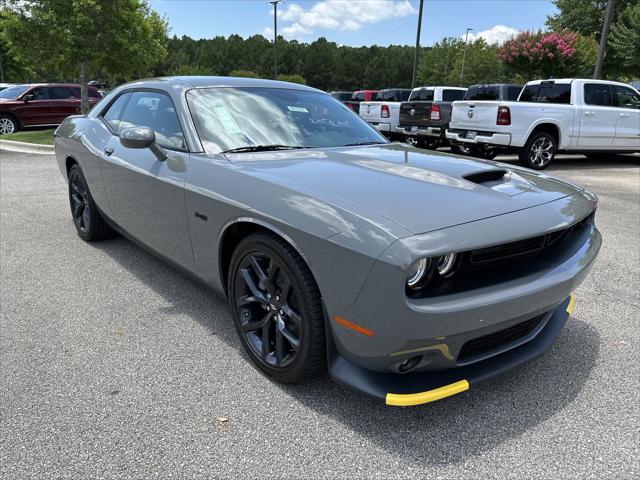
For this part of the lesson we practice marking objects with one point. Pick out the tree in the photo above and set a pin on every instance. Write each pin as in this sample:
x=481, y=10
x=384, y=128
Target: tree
x=625, y=40
x=548, y=54
x=293, y=78
x=586, y=17
x=124, y=38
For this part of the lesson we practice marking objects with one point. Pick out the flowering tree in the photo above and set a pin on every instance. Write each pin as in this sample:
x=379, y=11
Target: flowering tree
x=548, y=54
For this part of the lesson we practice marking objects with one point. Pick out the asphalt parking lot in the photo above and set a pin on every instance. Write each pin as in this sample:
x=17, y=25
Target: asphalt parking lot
x=115, y=366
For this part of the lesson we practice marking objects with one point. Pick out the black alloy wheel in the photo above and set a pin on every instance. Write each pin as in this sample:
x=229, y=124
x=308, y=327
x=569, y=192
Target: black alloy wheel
x=79, y=203
x=277, y=308
x=87, y=219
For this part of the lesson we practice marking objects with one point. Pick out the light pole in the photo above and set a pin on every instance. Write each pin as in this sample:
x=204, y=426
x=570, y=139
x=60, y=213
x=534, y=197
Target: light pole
x=417, y=52
x=275, y=36
x=602, y=47
x=464, y=54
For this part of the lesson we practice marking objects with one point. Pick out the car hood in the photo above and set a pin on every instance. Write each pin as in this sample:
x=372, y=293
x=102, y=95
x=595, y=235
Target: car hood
x=419, y=190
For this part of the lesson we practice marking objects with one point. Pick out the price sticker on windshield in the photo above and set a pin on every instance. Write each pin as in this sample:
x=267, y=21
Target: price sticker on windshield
x=297, y=109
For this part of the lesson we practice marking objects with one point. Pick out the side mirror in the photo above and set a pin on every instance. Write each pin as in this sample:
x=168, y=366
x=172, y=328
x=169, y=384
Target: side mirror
x=29, y=97
x=141, y=137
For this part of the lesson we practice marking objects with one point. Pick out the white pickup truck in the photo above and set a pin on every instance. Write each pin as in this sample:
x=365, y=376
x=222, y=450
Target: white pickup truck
x=384, y=111
x=582, y=116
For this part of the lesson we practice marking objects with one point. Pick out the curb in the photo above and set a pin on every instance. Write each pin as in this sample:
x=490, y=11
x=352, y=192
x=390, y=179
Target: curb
x=22, y=147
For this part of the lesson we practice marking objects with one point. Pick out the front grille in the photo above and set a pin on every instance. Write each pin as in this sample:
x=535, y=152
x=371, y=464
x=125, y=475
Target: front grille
x=529, y=246
x=494, y=341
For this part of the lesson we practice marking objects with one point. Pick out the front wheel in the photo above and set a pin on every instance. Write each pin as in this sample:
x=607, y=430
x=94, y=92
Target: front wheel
x=539, y=151
x=8, y=125
x=277, y=308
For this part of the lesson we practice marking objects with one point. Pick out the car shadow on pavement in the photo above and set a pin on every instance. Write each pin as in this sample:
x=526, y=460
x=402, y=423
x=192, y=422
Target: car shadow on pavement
x=573, y=162
x=439, y=433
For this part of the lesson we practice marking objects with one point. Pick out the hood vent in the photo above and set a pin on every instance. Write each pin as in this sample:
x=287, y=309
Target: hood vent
x=485, y=176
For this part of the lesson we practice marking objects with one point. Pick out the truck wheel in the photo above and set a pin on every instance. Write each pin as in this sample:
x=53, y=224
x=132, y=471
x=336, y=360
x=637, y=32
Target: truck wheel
x=483, y=151
x=460, y=149
x=539, y=151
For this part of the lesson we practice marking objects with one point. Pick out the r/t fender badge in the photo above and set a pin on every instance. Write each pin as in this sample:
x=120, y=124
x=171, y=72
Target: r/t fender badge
x=201, y=216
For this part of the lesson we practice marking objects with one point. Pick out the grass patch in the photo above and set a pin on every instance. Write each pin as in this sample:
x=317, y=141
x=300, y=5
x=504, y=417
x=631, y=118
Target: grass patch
x=42, y=137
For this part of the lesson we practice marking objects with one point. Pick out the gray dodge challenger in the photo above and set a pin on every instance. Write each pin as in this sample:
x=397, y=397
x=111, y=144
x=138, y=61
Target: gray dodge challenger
x=409, y=275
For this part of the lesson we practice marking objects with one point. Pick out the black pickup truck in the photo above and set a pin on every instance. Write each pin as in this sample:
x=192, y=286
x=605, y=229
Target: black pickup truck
x=424, y=118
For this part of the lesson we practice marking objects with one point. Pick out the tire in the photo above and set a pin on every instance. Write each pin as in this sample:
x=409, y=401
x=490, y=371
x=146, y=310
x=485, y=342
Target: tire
x=539, y=151
x=87, y=219
x=277, y=308
x=460, y=149
x=8, y=124
x=483, y=151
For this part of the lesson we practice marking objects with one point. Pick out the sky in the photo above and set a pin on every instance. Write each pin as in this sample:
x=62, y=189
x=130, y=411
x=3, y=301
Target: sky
x=355, y=22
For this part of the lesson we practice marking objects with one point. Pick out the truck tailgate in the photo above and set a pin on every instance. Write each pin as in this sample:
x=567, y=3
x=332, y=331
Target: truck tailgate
x=475, y=115
x=415, y=113
x=370, y=111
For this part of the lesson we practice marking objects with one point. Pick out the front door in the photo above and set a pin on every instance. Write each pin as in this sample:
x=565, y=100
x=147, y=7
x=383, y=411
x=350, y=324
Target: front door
x=36, y=107
x=146, y=195
x=598, y=117
x=628, y=127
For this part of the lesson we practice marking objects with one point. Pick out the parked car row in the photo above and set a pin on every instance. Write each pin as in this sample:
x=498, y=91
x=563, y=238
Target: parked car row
x=535, y=121
x=40, y=104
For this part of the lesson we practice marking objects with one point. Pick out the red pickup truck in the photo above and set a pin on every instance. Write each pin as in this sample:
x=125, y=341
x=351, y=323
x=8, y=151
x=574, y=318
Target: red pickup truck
x=40, y=104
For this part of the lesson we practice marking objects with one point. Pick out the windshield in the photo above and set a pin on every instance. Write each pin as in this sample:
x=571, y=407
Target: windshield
x=233, y=118
x=14, y=92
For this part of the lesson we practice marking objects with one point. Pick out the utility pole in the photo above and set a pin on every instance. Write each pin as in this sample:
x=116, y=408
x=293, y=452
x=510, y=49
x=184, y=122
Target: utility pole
x=417, y=52
x=275, y=36
x=602, y=47
x=464, y=54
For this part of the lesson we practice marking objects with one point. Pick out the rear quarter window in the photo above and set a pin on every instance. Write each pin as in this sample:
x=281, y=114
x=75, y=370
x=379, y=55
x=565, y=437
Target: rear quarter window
x=559, y=93
x=452, y=95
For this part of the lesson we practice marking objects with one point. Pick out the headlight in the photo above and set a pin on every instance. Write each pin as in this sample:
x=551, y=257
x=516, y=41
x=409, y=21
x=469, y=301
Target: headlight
x=417, y=273
x=446, y=264
x=424, y=269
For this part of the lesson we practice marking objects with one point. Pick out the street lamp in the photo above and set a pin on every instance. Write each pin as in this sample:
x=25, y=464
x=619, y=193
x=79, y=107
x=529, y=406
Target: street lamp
x=417, y=52
x=464, y=54
x=275, y=36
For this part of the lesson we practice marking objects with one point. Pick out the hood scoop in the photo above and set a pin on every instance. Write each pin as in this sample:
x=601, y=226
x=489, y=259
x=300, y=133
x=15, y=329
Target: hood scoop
x=485, y=176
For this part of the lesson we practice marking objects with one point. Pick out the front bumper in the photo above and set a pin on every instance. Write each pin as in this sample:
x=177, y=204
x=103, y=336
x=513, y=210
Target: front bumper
x=418, y=388
x=492, y=138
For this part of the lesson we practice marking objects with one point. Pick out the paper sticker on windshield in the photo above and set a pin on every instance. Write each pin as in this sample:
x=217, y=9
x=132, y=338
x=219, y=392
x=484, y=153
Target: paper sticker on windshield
x=297, y=109
x=227, y=120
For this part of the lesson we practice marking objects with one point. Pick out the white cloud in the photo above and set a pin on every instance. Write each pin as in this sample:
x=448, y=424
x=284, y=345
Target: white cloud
x=498, y=34
x=341, y=15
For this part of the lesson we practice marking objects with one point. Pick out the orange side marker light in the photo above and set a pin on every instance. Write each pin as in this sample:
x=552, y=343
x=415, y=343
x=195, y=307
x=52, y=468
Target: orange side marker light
x=353, y=326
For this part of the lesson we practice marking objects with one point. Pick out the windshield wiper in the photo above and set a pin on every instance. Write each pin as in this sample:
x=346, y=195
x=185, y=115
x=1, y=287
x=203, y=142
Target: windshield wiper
x=364, y=143
x=262, y=148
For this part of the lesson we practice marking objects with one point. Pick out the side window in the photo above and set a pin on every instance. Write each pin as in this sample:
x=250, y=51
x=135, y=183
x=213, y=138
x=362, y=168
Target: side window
x=60, y=93
x=113, y=114
x=452, y=95
x=154, y=110
x=597, y=94
x=626, y=98
x=513, y=93
x=41, y=93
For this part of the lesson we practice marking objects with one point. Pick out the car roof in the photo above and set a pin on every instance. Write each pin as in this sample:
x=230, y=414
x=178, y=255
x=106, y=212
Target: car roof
x=187, y=82
x=32, y=85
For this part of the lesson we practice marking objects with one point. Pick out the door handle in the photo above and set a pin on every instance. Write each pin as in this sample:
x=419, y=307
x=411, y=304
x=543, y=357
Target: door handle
x=588, y=114
x=108, y=150
x=625, y=115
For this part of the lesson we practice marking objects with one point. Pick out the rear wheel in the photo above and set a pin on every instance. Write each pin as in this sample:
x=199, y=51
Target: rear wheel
x=8, y=125
x=87, y=219
x=539, y=151
x=483, y=151
x=277, y=308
